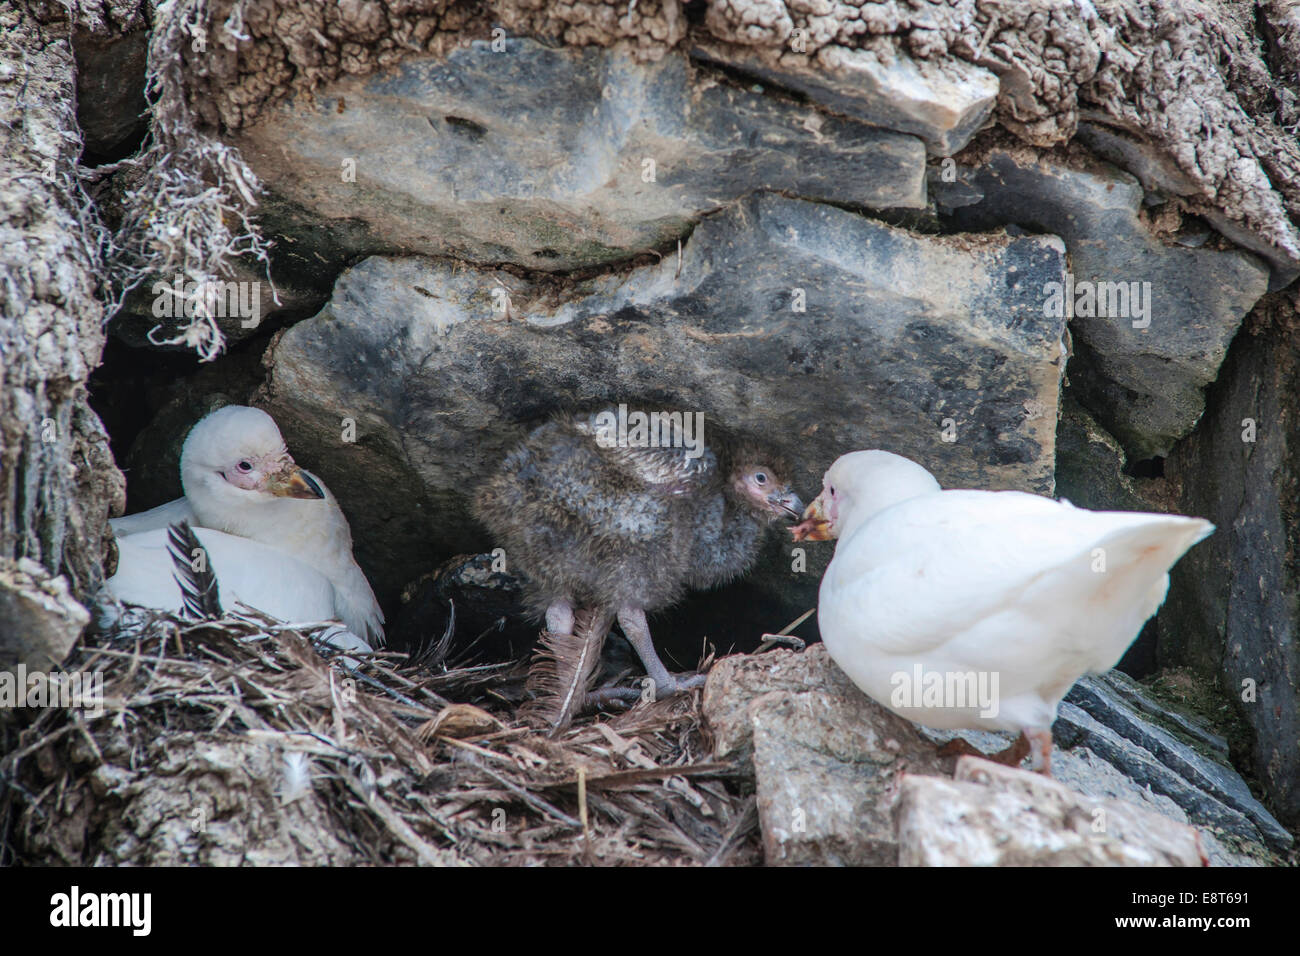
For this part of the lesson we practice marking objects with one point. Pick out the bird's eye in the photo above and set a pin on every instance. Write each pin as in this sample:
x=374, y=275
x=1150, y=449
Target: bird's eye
x=760, y=477
x=832, y=490
x=245, y=466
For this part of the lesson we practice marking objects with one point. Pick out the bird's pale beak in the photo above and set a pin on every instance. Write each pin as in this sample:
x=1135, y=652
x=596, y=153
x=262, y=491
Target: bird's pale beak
x=292, y=482
x=815, y=525
x=786, y=503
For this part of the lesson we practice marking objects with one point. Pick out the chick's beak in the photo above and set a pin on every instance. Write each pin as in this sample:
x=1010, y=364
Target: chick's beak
x=815, y=525
x=292, y=482
x=785, y=503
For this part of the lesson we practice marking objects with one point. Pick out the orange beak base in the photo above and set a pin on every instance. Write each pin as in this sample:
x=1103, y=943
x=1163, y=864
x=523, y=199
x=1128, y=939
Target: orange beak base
x=815, y=525
x=292, y=482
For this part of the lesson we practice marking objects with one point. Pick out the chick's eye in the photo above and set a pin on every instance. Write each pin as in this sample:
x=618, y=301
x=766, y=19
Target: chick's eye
x=760, y=477
x=245, y=466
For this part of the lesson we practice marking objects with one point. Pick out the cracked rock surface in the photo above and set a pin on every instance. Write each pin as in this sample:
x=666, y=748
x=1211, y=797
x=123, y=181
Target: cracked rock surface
x=777, y=311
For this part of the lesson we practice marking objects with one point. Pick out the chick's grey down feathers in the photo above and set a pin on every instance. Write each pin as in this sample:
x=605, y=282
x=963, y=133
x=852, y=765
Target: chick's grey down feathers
x=618, y=527
x=601, y=531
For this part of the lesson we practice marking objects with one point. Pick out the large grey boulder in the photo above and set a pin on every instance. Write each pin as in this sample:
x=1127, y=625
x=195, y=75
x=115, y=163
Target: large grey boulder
x=818, y=329
x=1141, y=373
x=556, y=158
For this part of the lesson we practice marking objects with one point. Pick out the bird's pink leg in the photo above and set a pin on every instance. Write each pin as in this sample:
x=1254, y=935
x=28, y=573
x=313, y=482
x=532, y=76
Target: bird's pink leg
x=632, y=621
x=1040, y=752
x=559, y=617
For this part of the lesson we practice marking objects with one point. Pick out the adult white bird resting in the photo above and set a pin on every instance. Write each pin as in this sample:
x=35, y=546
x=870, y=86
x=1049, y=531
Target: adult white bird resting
x=1022, y=591
x=273, y=534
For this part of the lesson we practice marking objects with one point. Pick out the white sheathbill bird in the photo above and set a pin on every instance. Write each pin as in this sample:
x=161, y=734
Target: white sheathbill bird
x=1029, y=592
x=275, y=536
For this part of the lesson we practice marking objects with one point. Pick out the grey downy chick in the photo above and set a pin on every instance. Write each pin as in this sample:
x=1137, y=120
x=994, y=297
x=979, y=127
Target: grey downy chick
x=601, y=531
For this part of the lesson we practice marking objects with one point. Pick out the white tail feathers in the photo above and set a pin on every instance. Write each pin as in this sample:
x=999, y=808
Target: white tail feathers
x=1152, y=541
x=1133, y=562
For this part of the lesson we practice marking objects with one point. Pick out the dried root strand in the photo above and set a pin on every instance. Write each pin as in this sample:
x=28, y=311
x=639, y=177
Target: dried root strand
x=190, y=212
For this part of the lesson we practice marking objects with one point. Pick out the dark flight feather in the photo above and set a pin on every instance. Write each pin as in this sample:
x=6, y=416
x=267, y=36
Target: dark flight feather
x=199, y=591
x=431, y=654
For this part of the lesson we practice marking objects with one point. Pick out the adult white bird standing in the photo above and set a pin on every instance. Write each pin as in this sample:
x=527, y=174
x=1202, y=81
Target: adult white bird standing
x=274, y=535
x=948, y=589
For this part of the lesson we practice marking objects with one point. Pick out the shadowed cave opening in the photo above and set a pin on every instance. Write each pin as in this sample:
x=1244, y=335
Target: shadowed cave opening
x=148, y=398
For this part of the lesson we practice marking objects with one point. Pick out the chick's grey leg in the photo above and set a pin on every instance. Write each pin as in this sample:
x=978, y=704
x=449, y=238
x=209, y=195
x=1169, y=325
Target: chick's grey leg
x=559, y=617
x=632, y=621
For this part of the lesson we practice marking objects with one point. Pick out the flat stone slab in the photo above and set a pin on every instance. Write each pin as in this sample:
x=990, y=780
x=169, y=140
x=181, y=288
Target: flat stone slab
x=1210, y=793
x=556, y=158
x=944, y=102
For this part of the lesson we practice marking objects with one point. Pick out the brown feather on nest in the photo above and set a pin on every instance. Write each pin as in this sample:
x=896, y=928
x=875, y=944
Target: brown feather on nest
x=564, y=670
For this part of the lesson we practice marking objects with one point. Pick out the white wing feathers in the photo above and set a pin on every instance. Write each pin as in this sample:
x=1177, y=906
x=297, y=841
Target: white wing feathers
x=247, y=571
x=1004, y=581
x=174, y=512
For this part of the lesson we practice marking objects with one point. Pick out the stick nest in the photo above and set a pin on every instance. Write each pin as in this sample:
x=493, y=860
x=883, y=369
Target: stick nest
x=241, y=741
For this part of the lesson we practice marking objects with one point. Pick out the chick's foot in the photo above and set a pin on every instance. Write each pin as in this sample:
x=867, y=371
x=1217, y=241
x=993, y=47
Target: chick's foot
x=675, y=684
x=661, y=683
x=612, y=698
